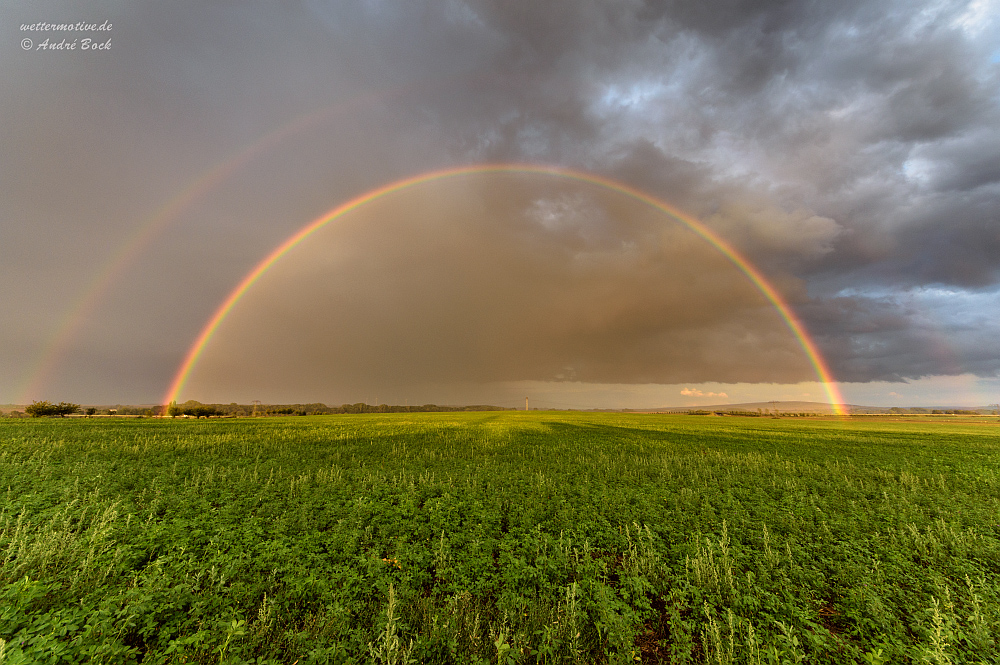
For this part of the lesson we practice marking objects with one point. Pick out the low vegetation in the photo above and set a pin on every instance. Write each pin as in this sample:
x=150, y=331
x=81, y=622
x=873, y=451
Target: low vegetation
x=499, y=538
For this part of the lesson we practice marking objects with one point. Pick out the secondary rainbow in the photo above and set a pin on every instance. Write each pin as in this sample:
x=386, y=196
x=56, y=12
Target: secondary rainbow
x=754, y=275
x=129, y=251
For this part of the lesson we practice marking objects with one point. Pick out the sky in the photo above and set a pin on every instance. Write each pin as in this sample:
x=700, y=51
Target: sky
x=847, y=151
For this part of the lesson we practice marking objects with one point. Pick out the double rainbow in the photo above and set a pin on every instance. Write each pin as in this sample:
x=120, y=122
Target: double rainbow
x=754, y=275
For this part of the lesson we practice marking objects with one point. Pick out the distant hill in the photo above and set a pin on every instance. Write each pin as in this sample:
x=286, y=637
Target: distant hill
x=820, y=407
x=784, y=407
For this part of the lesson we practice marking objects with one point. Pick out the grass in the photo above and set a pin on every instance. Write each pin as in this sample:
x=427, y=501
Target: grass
x=500, y=538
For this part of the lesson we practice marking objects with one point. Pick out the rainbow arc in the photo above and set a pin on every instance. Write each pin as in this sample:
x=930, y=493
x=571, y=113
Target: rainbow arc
x=796, y=327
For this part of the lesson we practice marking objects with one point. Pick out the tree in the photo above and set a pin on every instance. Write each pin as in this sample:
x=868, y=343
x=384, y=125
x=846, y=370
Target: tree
x=66, y=408
x=91, y=410
x=45, y=408
x=201, y=411
x=39, y=409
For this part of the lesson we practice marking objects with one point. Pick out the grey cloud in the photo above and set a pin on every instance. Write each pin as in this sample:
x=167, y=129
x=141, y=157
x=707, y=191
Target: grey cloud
x=898, y=338
x=844, y=147
x=962, y=164
x=959, y=244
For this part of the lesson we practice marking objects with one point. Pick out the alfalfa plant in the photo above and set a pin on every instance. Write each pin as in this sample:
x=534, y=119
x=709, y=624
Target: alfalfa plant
x=233, y=629
x=501, y=641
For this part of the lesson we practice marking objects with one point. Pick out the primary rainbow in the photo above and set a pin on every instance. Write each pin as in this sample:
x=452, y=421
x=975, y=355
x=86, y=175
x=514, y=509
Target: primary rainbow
x=754, y=275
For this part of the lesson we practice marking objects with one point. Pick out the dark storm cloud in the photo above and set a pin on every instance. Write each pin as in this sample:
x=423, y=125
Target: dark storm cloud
x=909, y=335
x=955, y=242
x=847, y=148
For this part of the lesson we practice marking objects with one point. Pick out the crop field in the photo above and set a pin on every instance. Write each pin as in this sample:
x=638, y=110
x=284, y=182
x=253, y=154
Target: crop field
x=503, y=537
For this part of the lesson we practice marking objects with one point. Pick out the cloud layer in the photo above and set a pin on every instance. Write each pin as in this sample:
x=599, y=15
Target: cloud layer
x=849, y=149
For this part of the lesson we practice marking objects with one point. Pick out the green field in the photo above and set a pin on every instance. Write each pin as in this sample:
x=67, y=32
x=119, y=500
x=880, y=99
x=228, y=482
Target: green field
x=500, y=537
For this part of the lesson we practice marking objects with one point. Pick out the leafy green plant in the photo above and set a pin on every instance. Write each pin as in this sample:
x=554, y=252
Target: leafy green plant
x=499, y=537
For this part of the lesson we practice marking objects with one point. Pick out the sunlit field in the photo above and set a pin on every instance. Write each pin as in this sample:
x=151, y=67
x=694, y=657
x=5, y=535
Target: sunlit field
x=504, y=537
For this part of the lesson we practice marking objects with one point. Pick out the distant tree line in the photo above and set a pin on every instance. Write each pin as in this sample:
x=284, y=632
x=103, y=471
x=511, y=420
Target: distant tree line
x=199, y=410
x=755, y=414
x=918, y=409
x=361, y=407
x=134, y=411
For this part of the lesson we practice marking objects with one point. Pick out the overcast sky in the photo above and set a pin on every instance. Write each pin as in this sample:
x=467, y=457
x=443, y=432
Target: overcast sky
x=849, y=150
